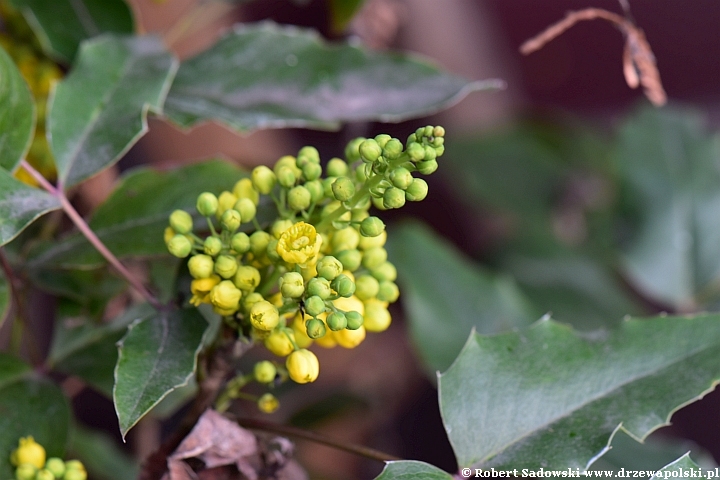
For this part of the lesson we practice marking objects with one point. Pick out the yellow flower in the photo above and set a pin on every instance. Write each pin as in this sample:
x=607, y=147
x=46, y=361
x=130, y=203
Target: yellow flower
x=225, y=297
x=299, y=244
x=303, y=366
x=200, y=289
x=264, y=315
x=29, y=451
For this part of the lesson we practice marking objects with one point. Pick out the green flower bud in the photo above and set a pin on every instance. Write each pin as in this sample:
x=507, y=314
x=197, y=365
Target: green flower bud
x=378, y=203
x=388, y=292
x=44, y=474
x=271, y=250
x=308, y=154
x=343, y=189
x=319, y=287
x=226, y=201
x=286, y=176
x=351, y=259
x=247, y=278
x=264, y=316
x=280, y=226
x=74, y=465
x=360, y=213
x=226, y=297
x=417, y=190
x=440, y=150
x=251, y=299
x=360, y=174
x=393, y=198
x=352, y=153
x=311, y=171
x=180, y=246
x=343, y=285
x=401, y=178
x=430, y=153
x=345, y=239
x=337, y=168
x=292, y=285
x=240, y=242
x=416, y=152
x=329, y=267
x=73, y=474
x=181, y=221
x=385, y=272
x=392, y=149
x=366, y=287
x=290, y=162
x=212, y=246
x=263, y=179
x=56, y=466
x=371, y=227
x=354, y=320
x=382, y=139
x=438, y=131
x=230, y=220
x=264, y=371
x=258, y=242
x=315, y=328
x=298, y=198
x=26, y=471
x=366, y=243
x=268, y=403
x=226, y=266
x=279, y=343
x=247, y=209
x=336, y=321
x=314, y=306
x=244, y=189
x=207, y=204
x=317, y=192
x=327, y=186
x=201, y=266
x=427, y=167
x=374, y=257
x=370, y=150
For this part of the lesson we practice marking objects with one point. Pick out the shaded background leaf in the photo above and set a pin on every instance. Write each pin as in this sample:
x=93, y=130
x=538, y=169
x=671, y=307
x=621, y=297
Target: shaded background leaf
x=17, y=116
x=271, y=76
x=99, y=110
x=81, y=19
x=100, y=455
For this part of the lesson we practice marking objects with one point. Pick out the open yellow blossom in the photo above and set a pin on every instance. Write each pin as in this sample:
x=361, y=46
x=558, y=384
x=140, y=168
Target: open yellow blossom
x=299, y=244
x=201, y=288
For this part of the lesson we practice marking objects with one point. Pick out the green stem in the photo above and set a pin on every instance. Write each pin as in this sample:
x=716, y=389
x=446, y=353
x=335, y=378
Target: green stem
x=90, y=235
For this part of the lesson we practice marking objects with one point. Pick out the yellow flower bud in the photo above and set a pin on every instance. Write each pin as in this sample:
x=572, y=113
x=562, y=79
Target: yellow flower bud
x=300, y=334
x=299, y=244
x=247, y=278
x=349, y=338
x=244, y=189
x=201, y=266
x=168, y=234
x=226, y=266
x=302, y=366
x=350, y=304
x=279, y=342
x=345, y=239
x=377, y=316
x=226, y=201
x=247, y=209
x=268, y=403
x=290, y=162
x=29, y=451
x=366, y=243
x=225, y=297
x=26, y=471
x=264, y=371
x=263, y=179
x=56, y=466
x=44, y=474
x=264, y=316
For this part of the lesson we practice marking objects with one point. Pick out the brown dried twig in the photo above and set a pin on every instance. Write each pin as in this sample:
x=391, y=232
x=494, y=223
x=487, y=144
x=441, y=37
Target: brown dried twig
x=639, y=65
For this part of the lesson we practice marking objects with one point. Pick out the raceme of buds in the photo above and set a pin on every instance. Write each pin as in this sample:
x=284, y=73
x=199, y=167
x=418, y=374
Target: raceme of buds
x=31, y=464
x=291, y=257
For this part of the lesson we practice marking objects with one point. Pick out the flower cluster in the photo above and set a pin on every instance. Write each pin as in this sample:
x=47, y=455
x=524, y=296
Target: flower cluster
x=318, y=271
x=31, y=464
x=40, y=73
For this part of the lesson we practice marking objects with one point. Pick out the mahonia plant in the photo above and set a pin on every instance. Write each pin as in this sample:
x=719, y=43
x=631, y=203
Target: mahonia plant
x=319, y=272
x=31, y=463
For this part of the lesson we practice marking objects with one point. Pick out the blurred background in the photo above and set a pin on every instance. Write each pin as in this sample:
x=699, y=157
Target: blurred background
x=565, y=193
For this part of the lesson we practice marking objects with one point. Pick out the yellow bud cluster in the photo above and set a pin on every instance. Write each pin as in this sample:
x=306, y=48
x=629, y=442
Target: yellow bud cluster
x=31, y=464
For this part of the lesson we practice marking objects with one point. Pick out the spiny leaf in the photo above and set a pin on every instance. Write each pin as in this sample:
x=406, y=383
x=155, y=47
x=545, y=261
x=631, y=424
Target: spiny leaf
x=412, y=470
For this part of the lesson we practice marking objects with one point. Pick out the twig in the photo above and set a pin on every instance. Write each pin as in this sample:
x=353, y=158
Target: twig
x=370, y=453
x=639, y=65
x=90, y=235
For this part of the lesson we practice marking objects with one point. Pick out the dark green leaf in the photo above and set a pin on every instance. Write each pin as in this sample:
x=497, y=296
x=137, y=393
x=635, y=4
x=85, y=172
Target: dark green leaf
x=61, y=25
x=20, y=205
x=101, y=456
x=89, y=351
x=446, y=296
x=32, y=407
x=17, y=116
x=268, y=76
x=683, y=467
x=132, y=220
x=86, y=287
x=11, y=369
x=550, y=396
x=412, y=470
x=99, y=110
x=670, y=165
x=158, y=355
x=4, y=298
